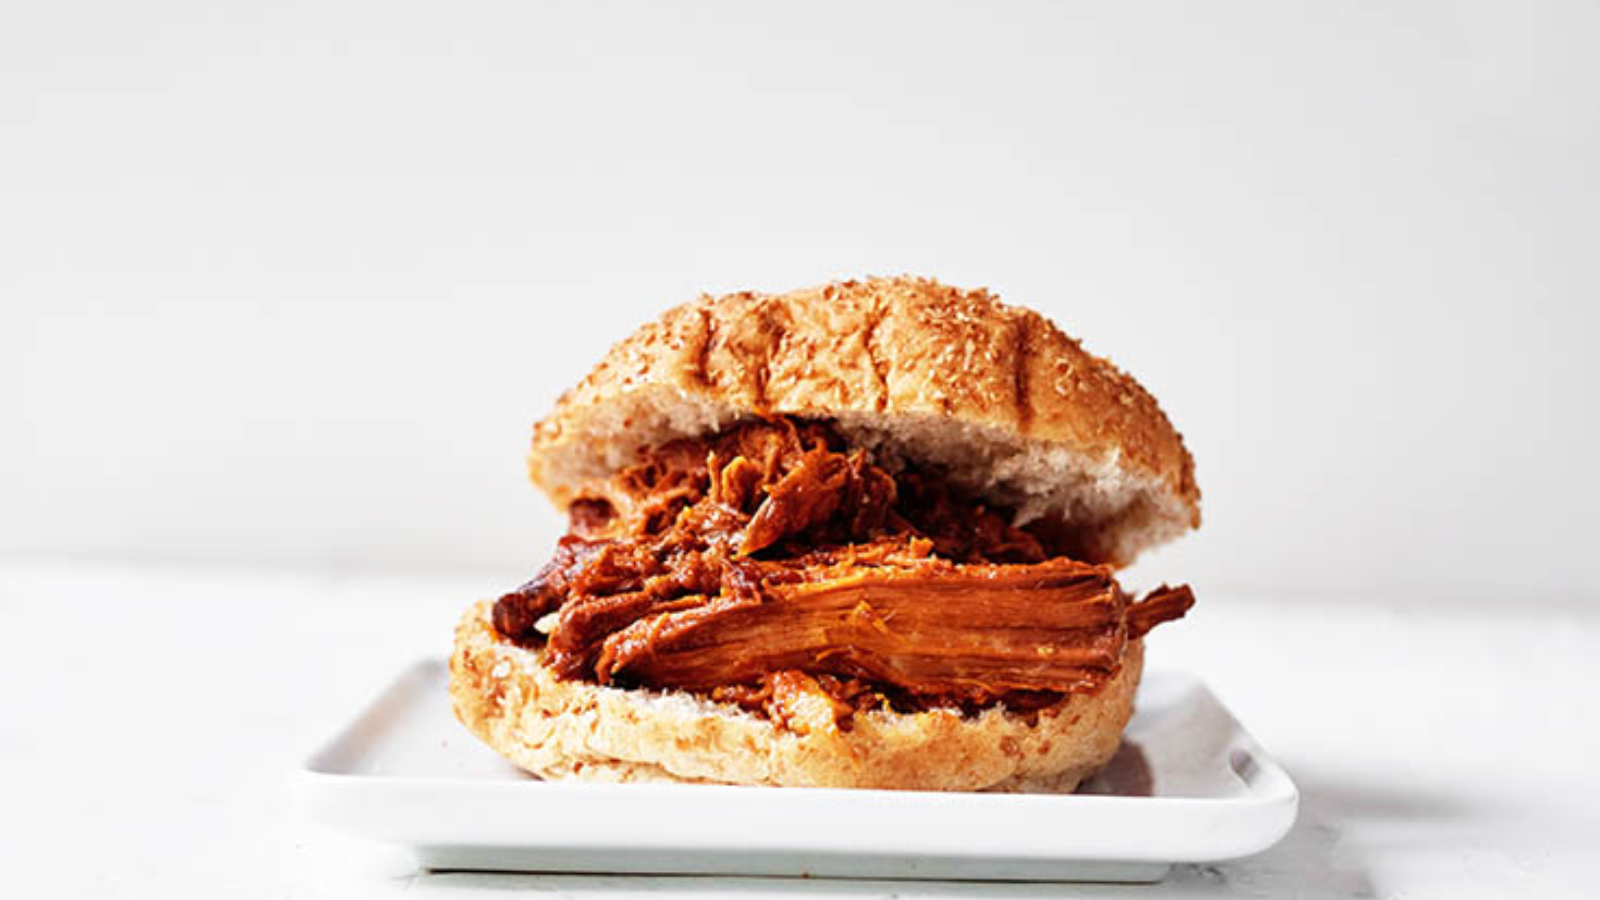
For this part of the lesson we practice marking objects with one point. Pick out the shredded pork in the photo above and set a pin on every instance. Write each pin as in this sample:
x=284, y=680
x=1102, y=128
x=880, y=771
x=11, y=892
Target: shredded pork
x=776, y=567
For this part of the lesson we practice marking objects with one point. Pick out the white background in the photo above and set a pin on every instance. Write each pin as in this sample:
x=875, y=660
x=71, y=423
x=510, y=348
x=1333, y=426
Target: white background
x=286, y=284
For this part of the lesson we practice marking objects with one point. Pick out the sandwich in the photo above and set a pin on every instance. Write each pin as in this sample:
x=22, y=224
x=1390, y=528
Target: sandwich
x=863, y=535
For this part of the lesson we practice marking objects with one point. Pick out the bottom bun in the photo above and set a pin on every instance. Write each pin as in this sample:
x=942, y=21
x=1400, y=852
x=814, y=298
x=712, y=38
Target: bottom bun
x=567, y=730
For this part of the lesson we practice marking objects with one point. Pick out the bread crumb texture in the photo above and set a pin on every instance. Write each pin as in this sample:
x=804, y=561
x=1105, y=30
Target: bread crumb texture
x=1015, y=409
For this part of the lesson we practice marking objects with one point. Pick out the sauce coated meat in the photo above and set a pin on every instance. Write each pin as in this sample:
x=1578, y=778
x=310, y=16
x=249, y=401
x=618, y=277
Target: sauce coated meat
x=773, y=566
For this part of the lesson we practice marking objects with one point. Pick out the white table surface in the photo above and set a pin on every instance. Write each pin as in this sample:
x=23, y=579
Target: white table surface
x=149, y=719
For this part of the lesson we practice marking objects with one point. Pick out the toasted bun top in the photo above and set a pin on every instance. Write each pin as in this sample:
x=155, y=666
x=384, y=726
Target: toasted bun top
x=1001, y=397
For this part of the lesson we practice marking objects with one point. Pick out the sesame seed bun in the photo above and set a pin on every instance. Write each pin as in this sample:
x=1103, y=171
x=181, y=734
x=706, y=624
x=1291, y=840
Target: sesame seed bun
x=1015, y=409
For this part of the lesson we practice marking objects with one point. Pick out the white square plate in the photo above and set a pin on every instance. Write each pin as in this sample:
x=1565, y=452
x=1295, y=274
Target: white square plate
x=1188, y=785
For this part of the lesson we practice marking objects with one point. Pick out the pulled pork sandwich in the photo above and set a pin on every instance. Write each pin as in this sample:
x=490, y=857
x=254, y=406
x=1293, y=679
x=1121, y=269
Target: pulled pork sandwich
x=862, y=535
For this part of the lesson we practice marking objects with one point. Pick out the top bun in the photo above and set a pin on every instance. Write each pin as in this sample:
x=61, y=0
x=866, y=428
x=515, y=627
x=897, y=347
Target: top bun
x=1011, y=406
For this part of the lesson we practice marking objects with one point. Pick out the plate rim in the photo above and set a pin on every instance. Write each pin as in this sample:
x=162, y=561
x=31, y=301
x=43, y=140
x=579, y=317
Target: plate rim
x=322, y=794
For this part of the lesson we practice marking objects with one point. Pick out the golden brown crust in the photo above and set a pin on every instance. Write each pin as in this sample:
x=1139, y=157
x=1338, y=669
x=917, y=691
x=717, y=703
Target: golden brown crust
x=573, y=730
x=901, y=358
